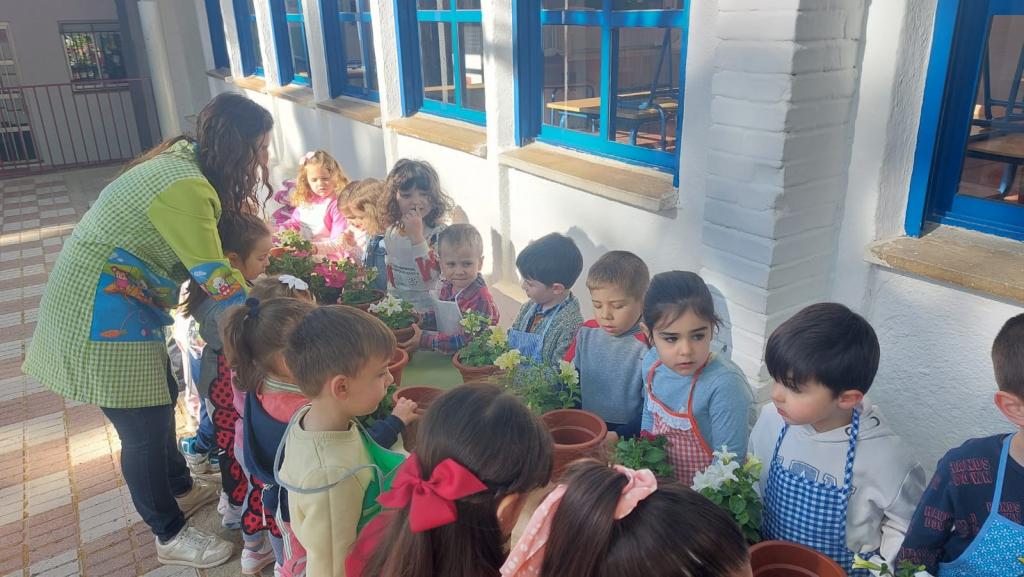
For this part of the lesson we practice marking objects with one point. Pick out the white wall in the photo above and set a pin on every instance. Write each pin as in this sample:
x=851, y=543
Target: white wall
x=935, y=379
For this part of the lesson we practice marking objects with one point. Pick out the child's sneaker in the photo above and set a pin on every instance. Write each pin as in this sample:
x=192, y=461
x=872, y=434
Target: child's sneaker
x=254, y=560
x=194, y=547
x=201, y=493
x=198, y=463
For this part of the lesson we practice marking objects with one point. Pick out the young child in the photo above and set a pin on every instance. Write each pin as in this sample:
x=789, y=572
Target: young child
x=602, y=521
x=461, y=253
x=362, y=204
x=547, y=324
x=609, y=349
x=479, y=470
x=836, y=477
x=246, y=241
x=416, y=209
x=315, y=198
x=969, y=520
x=339, y=357
x=699, y=400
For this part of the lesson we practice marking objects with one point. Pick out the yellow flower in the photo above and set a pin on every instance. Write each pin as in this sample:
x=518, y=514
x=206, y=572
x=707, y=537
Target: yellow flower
x=509, y=360
x=498, y=338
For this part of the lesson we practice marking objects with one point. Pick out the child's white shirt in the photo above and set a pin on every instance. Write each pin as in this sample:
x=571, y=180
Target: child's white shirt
x=888, y=481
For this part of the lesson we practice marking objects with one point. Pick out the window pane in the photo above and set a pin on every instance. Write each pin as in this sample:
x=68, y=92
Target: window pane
x=81, y=52
x=110, y=58
x=434, y=4
x=254, y=37
x=995, y=149
x=353, y=5
x=293, y=6
x=471, y=44
x=300, y=57
x=355, y=36
x=647, y=4
x=468, y=4
x=648, y=87
x=572, y=77
x=436, y=59
x=571, y=4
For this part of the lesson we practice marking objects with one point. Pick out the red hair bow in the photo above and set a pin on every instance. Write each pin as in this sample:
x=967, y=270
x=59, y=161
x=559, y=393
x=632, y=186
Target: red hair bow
x=431, y=501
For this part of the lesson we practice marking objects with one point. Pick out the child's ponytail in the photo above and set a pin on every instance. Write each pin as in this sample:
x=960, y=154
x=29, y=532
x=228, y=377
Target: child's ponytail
x=256, y=333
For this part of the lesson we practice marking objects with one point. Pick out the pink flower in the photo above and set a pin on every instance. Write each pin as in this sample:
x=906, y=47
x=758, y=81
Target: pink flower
x=647, y=436
x=333, y=276
x=300, y=253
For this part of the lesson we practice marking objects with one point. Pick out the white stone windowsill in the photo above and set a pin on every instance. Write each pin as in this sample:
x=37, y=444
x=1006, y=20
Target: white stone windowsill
x=452, y=134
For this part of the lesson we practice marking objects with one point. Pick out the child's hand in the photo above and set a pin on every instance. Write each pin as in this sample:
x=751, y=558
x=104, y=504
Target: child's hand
x=414, y=341
x=406, y=410
x=412, y=222
x=348, y=238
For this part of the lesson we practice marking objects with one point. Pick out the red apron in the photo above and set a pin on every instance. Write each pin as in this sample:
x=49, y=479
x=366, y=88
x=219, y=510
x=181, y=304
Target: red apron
x=687, y=451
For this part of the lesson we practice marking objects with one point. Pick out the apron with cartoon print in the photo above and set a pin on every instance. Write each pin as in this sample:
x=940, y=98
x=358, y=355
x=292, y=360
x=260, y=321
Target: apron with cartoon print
x=688, y=452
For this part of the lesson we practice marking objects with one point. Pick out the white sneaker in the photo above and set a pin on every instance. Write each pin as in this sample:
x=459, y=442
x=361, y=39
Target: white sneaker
x=254, y=560
x=201, y=493
x=194, y=547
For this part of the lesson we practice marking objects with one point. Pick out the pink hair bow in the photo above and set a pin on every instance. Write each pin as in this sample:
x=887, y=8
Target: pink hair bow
x=307, y=158
x=431, y=501
x=641, y=484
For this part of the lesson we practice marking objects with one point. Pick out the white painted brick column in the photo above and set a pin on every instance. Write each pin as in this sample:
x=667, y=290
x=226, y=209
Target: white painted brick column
x=785, y=80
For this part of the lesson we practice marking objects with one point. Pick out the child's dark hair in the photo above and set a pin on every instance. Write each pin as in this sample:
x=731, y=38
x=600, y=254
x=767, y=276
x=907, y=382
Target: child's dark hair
x=271, y=287
x=827, y=343
x=239, y=234
x=505, y=446
x=459, y=235
x=408, y=174
x=254, y=333
x=674, y=531
x=335, y=340
x=620, y=269
x=1008, y=356
x=551, y=259
x=672, y=293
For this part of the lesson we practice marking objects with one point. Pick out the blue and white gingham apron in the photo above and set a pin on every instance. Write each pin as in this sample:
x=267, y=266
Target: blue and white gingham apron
x=807, y=512
x=995, y=551
x=531, y=345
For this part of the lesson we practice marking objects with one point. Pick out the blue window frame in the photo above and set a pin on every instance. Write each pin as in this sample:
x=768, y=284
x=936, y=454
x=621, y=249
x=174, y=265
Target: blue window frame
x=441, y=51
x=971, y=137
x=248, y=38
x=290, y=39
x=602, y=76
x=348, y=39
x=215, y=21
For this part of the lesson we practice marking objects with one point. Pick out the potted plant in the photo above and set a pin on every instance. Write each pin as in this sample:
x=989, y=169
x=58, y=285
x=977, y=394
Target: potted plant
x=904, y=569
x=356, y=291
x=384, y=408
x=397, y=314
x=785, y=559
x=731, y=486
x=646, y=451
x=294, y=256
x=486, y=343
x=423, y=396
x=554, y=394
x=399, y=359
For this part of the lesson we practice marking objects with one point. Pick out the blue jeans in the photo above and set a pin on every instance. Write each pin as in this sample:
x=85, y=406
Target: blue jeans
x=152, y=467
x=204, y=434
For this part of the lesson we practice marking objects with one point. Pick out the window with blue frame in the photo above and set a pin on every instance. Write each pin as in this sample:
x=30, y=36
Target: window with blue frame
x=215, y=21
x=348, y=39
x=290, y=38
x=451, y=58
x=971, y=140
x=248, y=38
x=602, y=76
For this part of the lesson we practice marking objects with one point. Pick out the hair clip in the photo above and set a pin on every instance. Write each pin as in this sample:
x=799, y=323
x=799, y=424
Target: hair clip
x=309, y=156
x=254, y=306
x=294, y=283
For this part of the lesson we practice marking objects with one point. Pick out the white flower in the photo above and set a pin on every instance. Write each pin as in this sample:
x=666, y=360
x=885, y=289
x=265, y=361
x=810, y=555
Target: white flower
x=567, y=373
x=509, y=360
x=724, y=455
x=703, y=481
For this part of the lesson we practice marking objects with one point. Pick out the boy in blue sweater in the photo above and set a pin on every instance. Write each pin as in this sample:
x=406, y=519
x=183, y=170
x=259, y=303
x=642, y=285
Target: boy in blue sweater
x=969, y=521
x=610, y=348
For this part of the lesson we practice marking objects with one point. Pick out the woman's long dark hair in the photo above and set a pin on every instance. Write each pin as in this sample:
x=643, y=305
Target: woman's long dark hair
x=495, y=436
x=229, y=132
x=674, y=532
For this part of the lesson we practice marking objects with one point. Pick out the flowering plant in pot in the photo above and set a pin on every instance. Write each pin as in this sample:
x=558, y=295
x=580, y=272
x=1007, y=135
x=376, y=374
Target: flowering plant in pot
x=646, y=451
x=485, y=344
x=731, y=486
x=904, y=569
x=397, y=314
x=356, y=291
x=294, y=256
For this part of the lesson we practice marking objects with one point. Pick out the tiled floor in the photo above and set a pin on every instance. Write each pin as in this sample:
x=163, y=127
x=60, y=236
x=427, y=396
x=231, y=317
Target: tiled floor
x=64, y=508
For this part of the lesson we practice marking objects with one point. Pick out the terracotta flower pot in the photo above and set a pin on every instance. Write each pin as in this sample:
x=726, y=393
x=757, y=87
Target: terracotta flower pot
x=398, y=361
x=577, y=434
x=784, y=559
x=404, y=334
x=377, y=297
x=423, y=396
x=470, y=374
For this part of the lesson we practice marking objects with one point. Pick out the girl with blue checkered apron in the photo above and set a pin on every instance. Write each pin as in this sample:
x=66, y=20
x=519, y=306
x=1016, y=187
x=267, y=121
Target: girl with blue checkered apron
x=996, y=551
x=803, y=511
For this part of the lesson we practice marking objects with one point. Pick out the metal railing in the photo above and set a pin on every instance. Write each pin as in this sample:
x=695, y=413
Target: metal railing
x=45, y=127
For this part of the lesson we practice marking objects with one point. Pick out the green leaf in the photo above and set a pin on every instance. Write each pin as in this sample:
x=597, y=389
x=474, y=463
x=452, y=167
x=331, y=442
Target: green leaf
x=655, y=455
x=737, y=505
